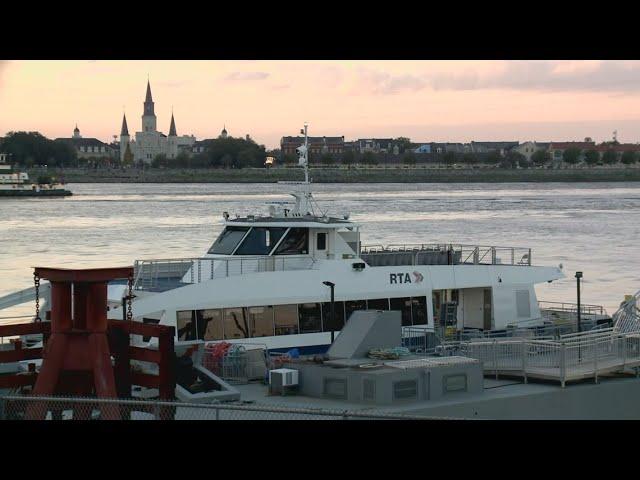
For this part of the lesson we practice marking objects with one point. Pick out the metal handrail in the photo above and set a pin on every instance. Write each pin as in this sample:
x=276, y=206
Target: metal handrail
x=475, y=254
x=199, y=269
x=583, y=355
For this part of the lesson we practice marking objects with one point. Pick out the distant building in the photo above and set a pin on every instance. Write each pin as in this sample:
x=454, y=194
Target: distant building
x=351, y=146
x=88, y=147
x=556, y=149
x=317, y=145
x=149, y=142
x=424, y=148
x=486, y=147
x=437, y=147
x=619, y=148
x=378, y=145
x=527, y=149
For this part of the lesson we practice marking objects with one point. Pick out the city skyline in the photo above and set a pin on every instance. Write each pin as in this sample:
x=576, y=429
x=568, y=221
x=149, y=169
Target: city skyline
x=455, y=101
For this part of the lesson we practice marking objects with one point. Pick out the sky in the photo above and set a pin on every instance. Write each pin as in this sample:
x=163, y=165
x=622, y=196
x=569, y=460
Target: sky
x=424, y=100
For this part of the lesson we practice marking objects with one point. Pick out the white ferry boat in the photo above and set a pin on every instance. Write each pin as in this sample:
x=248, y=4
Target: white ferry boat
x=268, y=279
x=17, y=184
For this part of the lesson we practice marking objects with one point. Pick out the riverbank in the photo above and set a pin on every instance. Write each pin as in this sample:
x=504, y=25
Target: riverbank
x=348, y=175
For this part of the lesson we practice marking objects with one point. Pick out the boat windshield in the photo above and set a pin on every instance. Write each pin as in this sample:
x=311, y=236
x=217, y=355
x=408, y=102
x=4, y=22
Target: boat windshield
x=260, y=241
x=228, y=240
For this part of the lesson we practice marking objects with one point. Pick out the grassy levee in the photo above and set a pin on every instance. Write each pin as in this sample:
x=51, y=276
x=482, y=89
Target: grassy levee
x=348, y=175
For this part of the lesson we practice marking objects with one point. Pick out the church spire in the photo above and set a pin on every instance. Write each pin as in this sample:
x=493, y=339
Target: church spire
x=172, y=128
x=148, y=102
x=148, y=97
x=124, y=130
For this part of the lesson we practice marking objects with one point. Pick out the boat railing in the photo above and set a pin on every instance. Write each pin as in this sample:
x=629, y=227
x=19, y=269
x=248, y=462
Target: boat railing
x=164, y=274
x=585, y=309
x=447, y=254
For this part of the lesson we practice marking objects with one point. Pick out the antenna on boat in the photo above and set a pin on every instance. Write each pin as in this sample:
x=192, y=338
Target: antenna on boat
x=303, y=153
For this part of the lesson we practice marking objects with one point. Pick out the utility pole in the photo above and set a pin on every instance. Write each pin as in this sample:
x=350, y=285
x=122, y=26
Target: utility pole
x=578, y=277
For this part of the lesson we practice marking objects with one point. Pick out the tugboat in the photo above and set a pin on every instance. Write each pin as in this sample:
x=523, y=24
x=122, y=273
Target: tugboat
x=16, y=184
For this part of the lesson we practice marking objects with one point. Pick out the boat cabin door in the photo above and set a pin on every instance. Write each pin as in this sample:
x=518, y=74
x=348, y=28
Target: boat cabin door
x=321, y=245
x=487, y=313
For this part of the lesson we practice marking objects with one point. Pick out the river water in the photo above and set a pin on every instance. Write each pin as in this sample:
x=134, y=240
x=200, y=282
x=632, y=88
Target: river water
x=592, y=227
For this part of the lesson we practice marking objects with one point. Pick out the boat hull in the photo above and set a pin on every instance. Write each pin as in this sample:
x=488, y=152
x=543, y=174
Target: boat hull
x=34, y=193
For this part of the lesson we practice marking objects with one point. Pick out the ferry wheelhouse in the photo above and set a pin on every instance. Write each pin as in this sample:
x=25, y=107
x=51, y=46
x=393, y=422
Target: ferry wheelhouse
x=268, y=279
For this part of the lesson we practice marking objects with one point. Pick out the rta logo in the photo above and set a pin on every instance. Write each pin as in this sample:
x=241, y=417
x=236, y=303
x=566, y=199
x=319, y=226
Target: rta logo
x=396, y=278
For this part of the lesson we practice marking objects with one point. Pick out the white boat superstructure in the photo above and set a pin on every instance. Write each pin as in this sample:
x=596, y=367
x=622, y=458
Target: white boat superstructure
x=266, y=280
x=15, y=183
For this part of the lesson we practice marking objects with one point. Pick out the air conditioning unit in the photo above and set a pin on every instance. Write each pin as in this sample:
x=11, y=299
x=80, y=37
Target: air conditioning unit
x=282, y=379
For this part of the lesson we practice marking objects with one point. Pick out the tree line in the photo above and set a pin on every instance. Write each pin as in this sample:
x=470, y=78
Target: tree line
x=510, y=159
x=227, y=152
x=29, y=149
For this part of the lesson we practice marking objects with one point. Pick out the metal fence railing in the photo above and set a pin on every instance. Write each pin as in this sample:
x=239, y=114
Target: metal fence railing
x=13, y=407
x=572, y=357
x=169, y=273
x=449, y=253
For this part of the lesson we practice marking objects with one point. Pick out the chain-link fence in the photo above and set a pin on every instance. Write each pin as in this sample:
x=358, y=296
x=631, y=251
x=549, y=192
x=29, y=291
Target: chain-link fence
x=64, y=408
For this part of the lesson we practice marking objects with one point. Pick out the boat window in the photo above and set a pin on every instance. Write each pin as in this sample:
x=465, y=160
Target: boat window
x=209, y=324
x=260, y=241
x=236, y=323
x=321, y=241
x=455, y=383
x=335, y=388
x=405, y=390
x=328, y=324
x=378, y=304
x=310, y=318
x=186, y=324
x=261, y=321
x=295, y=243
x=286, y=319
x=419, y=310
x=228, y=239
x=404, y=305
x=351, y=306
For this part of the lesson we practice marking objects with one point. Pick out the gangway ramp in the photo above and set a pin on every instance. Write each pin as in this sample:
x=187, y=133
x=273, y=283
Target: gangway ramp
x=563, y=360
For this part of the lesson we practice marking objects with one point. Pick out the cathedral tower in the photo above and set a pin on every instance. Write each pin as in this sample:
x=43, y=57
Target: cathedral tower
x=149, y=116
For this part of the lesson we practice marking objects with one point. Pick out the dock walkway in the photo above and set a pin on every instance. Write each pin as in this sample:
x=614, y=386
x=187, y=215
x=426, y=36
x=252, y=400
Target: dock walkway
x=572, y=357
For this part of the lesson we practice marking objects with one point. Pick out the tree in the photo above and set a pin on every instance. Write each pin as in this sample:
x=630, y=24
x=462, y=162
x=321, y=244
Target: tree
x=368, y=158
x=182, y=160
x=449, y=158
x=511, y=159
x=409, y=158
x=541, y=158
x=494, y=157
x=326, y=159
x=29, y=148
x=289, y=159
x=127, y=160
x=571, y=156
x=591, y=157
x=234, y=152
x=348, y=157
x=403, y=143
x=470, y=158
x=629, y=157
x=610, y=157
x=159, y=161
